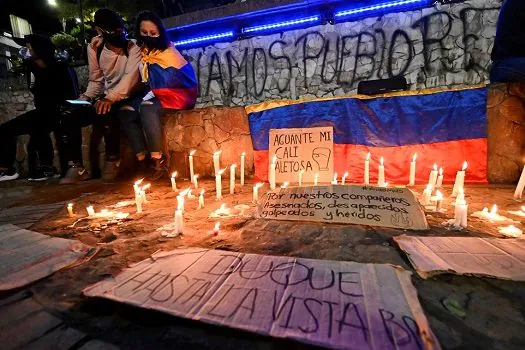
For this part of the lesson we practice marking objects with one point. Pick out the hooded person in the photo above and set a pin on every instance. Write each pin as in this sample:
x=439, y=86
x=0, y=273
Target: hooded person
x=54, y=83
x=114, y=91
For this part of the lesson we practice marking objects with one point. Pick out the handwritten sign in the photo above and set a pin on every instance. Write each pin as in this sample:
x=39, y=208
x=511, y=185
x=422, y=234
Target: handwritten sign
x=501, y=258
x=374, y=206
x=310, y=149
x=338, y=304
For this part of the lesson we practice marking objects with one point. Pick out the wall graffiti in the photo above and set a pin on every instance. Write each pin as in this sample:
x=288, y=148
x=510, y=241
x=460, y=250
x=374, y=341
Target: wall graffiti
x=444, y=46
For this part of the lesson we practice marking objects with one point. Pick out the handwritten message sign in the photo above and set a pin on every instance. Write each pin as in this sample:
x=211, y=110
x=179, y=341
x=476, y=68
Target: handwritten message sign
x=374, y=206
x=338, y=304
x=501, y=258
x=310, y=149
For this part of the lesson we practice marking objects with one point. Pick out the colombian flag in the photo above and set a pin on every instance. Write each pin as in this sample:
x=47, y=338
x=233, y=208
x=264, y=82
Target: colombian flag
x=170, y=77
x=443, y=127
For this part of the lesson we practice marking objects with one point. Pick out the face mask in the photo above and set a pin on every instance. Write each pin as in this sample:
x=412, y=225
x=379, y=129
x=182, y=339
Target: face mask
x=151, y=42
x=116, y=39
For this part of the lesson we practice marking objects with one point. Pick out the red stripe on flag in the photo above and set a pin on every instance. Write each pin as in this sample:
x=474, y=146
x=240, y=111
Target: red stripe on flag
x=449, y=155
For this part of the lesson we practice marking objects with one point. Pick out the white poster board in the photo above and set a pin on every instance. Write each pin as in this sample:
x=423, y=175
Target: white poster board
x=309, y=149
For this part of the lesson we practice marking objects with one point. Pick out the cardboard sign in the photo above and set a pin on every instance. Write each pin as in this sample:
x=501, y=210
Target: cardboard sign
x=311, y=150
x=501, y=258
x=373, y=206
x=336, y=304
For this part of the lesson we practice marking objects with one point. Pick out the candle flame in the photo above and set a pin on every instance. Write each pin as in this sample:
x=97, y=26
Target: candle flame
x=138, y=182
x=243, y=154
x=217, y=226
x=335, y=176
x=146, y=187
x=345, y=175
x=368, y=156
x=440, y=171
x=285, y=184
x=382, y=160
x=70, y=205
x=494, y=210
x=414, y=158
x=465, y=164
x=192, y=153
x=221, y=171
x=218, y=153
x=174, y=175
x=435, y=167
x=233, y=166
x=386, y=184
x=259, y=185
x=316, y=175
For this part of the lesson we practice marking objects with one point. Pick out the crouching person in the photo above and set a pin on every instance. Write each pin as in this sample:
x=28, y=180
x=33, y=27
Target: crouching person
x=114, y=91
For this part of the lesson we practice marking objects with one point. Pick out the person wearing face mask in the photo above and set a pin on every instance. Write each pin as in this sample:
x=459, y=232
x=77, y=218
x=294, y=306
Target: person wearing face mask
x=54, y=83
x=114, y=91
x=173, y=85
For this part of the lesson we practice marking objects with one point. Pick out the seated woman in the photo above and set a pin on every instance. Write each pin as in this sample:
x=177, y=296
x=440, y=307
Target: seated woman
x=173, y=85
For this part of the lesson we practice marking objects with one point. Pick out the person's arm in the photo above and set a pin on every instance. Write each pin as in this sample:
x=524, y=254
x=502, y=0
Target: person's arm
x=130, y=79
x=96, y=76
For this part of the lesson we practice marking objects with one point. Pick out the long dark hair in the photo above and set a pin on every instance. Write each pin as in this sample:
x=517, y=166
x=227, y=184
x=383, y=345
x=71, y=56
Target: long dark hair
x=164, y=40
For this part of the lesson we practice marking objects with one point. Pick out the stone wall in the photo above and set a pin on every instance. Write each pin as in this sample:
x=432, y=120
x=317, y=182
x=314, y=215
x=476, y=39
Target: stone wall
x=445, y=45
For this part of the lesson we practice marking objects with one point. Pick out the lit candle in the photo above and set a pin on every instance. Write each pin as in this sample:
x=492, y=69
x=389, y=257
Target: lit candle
x=301, y=173
x=493, y=212
x=179, y=221
x=439, y=201
x=191, y=164
x=427, y=194
x=334, y=181
x=180, y=202
x=367, y=169
x=232, y=178
x=143, y=193
x=460, y=196
x=285, y=184
x=432, y=179
x=316, y=179
x=256, y=193
x=460, y=180
x=90, y=210
x=343, y=181
x=460, y=214
x=439, y=182
x=243, y=156
x=412, y=175
x=218, y=183
x=273, y=165
x=201, y=200
x=173, y=182
x=521, y=184
x=216, y=228
x=136, y=187
x=70, y=210
x=216, y=161
x=381, y=174
x=138, y=201
x=196, y=181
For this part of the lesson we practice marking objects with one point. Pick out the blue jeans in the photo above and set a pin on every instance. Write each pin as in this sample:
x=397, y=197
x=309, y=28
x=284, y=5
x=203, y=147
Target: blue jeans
x=508, y=70
x=144, y=129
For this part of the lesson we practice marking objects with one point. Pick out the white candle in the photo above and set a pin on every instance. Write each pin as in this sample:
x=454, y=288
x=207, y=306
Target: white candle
x=143, y=193
x=216, y=161
x=439, y=201
x=285, y=184
x=316, y=179
x=273, y=165
x=136, y=187
x=190, y=195
x=256, y=193
x=460, y=197
x=367, y=169
x=463, y=209
x=301, y=173
x=196, y=181
x=521, y=185
x=343, y=181
x=243, y=156
x=138, y=201
x=190, y=157
x=218, y=184
x=432, y=179
x=201, y=200
x=381, y=174
x=179, y=221
x=180, y=202
x=70, y=210
x=90, y=210
x=232, y=178
x=439, y=182
x=427, y=194
x=216, y=228
x=412, y=174
x=460, y=180
x=173, y=182
x=334, y=181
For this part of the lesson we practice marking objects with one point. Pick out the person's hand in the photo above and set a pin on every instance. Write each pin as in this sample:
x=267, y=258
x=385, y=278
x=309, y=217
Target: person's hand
x=103, y=106
x=84, y=98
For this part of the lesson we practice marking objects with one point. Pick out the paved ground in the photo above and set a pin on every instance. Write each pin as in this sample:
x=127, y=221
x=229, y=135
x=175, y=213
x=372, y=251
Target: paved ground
x=487, y=313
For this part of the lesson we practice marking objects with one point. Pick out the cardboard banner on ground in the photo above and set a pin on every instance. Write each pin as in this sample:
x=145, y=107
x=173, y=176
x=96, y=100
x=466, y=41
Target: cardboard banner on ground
x=337, y=304
x=364, y=205
x=27, y=256
x=501, y=258
x=308, y=149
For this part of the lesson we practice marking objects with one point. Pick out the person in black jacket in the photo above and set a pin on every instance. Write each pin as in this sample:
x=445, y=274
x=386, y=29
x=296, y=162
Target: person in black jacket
x=53, y=84
x=508, y=55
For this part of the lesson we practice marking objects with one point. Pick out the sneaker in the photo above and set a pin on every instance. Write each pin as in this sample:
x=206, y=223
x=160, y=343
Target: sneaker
x=159, y=168
x=110, y=171
x=44, y=173
x=8, y=174
x=73, y=175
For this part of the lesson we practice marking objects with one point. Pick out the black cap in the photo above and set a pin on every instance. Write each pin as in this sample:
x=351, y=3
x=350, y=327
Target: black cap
x=108, y=20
